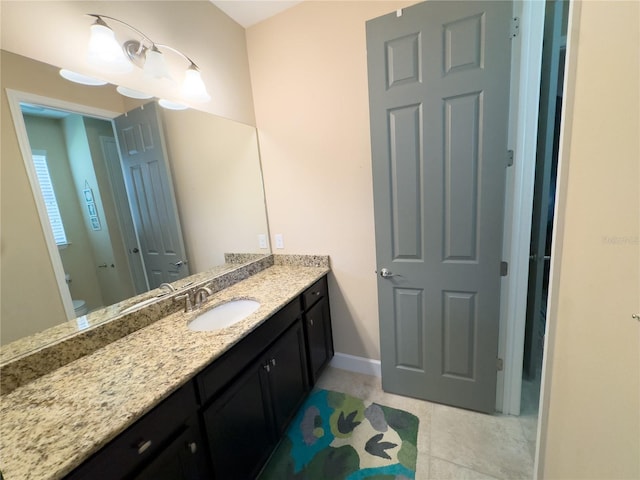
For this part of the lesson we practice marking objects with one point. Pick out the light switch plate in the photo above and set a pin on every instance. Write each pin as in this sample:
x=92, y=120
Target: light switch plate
x=279, y=241
x=262, y=240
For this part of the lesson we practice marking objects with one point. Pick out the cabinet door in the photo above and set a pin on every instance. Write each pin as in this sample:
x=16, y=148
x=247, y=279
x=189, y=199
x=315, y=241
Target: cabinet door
x=319, y=339
x=185, y=458
x=287, y=375
x=238, y=427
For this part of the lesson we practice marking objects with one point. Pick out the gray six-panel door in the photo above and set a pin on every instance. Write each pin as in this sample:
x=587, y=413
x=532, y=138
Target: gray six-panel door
x=439, y=100
x=147, y=176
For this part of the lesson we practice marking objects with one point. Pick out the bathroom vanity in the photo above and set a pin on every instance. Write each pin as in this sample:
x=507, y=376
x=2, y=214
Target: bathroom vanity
x=168, y=402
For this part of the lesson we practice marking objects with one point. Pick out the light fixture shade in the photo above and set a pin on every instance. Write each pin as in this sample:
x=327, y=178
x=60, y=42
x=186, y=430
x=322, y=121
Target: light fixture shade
x=193, y=87
x=168, y=104
x=104, y=50
x=131, y=93
x=80, y=78
x=154, y=65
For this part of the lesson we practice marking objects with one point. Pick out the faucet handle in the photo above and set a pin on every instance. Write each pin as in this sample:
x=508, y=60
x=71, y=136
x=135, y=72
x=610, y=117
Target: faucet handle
x=167, y=286
x=188, y=306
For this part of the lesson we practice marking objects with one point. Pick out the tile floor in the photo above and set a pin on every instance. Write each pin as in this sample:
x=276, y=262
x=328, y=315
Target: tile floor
x=453, y=443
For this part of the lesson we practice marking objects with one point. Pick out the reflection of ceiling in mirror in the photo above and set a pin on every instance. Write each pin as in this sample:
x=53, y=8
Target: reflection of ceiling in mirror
x=57, y=32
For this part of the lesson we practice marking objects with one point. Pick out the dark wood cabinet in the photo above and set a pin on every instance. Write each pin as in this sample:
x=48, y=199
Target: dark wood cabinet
x=317, y=325
x=225, y=423
x=160, y=434
x=185, y=458
x=238, y=427
x=285, y=367
x=245, y=423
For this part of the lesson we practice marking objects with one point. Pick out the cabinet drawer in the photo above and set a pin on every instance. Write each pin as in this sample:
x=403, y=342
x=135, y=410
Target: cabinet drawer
x=140, y=443
x=314, y=293
x=223, y=370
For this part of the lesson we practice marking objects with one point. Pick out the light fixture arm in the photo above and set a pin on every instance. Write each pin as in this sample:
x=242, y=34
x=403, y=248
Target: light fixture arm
x=99, y=19
x=106, y=51
x=191, y=62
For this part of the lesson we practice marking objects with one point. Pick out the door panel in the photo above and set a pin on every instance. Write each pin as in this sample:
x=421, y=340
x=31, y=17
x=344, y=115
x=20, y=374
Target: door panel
x=150, y=190
x=439, y=97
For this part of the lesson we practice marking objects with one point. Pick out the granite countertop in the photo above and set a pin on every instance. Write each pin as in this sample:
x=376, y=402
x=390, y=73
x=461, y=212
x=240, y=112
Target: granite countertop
x=51, y=425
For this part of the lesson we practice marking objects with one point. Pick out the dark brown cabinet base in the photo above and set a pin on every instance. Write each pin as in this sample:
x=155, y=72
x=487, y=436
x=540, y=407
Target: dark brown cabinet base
x=245, y=423
x=225, y=423
x=317, y=324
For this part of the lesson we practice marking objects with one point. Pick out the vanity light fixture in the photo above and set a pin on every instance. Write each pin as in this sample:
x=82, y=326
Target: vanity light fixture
x=106, y=52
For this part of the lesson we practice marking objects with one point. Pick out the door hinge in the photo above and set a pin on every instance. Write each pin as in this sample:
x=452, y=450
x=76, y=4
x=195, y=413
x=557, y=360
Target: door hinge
x=509, y=158
x=499, y=364
x=515, y=26
x=504, y=269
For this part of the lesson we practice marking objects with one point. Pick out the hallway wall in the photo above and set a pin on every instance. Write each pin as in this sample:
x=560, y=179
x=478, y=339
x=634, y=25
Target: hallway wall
x=591, y=407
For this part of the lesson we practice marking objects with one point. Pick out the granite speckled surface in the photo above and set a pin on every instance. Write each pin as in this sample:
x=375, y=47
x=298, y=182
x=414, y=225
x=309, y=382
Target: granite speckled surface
x=52, y=424
x=29, y=358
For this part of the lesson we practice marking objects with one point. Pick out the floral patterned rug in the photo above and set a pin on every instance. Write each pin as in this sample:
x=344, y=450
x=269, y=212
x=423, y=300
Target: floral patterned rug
x=338, y=437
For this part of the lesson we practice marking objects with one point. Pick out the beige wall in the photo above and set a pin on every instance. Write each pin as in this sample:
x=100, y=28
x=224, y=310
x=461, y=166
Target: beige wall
x=592, y=397
x=309, y=75
x=57, y=32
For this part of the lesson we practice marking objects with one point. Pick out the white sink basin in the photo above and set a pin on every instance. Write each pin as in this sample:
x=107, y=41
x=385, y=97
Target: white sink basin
x=223, y=315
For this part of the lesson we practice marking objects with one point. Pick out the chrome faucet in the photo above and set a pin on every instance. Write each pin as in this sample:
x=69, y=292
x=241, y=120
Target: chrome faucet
x=201, y=295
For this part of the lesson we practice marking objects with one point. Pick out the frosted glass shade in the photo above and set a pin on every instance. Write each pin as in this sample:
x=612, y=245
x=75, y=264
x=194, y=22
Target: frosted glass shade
x=154, y=65
x=168, y=104
x=131, y=93
x=105, y=52
x=193, y=87
x=79, y=78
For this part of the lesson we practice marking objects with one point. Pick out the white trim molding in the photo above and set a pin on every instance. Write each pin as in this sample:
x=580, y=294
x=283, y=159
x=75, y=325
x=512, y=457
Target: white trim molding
x=525, y=95
x=355, y=364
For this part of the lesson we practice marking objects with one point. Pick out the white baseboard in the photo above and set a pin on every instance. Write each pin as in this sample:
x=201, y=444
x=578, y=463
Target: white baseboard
x=352, y=363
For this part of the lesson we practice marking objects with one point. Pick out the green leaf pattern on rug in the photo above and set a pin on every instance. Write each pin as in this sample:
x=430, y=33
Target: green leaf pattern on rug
x=337, y=437
x=348, y=412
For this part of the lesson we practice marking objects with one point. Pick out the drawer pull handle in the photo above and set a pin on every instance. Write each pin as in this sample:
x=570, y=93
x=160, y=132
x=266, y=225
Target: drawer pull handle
x=193, y=447
x=273, y=362
x=316, y=294
x=267, y=367
x=143, y=446
x=311, y=321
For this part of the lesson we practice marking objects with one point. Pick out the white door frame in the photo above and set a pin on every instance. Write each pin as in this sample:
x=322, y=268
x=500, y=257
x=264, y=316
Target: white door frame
x=525, y=95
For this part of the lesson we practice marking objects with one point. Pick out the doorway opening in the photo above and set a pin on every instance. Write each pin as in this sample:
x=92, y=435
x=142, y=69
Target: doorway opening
x=550, y=108
x=78, y=168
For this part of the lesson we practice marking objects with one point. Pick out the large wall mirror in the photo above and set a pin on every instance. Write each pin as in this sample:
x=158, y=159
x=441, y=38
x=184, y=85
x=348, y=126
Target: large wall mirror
x=211, y=195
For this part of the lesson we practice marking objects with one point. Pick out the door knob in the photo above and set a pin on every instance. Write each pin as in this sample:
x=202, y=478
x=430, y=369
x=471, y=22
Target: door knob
x=386, y=273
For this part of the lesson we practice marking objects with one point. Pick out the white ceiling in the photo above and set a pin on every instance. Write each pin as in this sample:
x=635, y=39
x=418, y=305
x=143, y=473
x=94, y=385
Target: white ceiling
x=250, y=12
